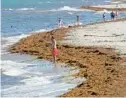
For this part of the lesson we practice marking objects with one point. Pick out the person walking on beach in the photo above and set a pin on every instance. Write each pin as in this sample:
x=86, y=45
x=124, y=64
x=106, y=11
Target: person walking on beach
x=54, y=48
x=59, y=22
x=112, y=14
x=78, y=20
x=104, y=17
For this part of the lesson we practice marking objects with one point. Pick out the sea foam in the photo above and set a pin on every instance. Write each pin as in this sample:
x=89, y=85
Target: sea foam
x=12, y=39
x=67, y=8
x=20, y=9
x=12, y=68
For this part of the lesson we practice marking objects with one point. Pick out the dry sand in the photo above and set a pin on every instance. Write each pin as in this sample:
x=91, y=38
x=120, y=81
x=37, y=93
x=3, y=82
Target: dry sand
x=109, y=35
x=101, y=66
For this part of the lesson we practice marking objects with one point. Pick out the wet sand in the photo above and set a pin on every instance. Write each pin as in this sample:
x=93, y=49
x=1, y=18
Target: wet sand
x=101, y=66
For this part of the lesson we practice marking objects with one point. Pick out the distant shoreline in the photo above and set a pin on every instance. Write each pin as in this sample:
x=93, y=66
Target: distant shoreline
x=121, y=1
x=101, y=66
x=105, y=7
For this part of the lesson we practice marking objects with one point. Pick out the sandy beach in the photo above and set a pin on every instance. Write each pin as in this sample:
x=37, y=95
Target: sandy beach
x=91, y=48
x=106, y=35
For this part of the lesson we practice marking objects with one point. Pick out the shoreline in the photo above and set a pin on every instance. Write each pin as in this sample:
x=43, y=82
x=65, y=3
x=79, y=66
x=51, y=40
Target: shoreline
x=111, y=7
x=99, y=65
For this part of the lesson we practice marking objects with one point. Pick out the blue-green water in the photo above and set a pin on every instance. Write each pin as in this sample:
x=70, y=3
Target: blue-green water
x=24, y=16
x=47, y=4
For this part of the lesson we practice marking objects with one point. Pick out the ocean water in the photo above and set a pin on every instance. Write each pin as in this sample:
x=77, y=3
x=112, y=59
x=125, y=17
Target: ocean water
x=23, y=75
x=28, y=16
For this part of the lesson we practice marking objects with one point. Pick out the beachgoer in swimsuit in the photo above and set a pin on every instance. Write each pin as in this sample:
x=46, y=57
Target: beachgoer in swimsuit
x=59, y=22
x=104, y=16
x=78, y=20
x=54, y=48
x=112, y=15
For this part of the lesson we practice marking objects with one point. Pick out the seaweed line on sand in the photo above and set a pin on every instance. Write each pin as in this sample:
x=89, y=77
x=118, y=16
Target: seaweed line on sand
x=101, y=66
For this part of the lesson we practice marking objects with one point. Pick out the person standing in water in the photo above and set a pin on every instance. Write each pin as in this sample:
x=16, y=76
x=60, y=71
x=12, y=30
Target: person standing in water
x=104, y=17
x=78, y=20
x=54, y=48
x=112, y=15
x=59, y=22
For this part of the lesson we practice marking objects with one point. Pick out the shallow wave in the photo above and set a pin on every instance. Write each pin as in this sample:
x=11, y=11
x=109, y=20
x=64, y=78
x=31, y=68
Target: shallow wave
x=27, y=79
x=25, y=9
x=41, y=30
x=70, y=13
x=67, y=8
x=20, y=9
x=12, y=39
x=64, y=8
x=7, y=41
x=12, y=68
x=36, y=79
